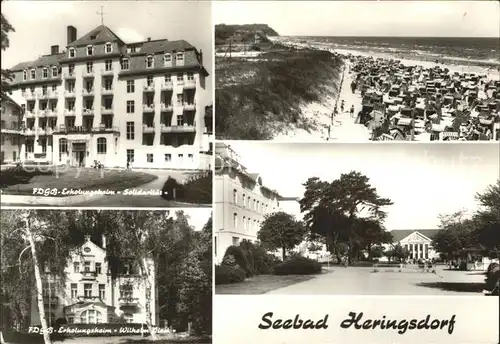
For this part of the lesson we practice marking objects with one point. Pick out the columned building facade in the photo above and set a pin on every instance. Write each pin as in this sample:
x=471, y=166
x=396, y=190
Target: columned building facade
x=102, y=100
x=417, y=242
x=91, y=295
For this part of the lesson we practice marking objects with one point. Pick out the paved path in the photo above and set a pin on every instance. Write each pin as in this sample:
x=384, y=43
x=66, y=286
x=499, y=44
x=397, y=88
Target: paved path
x=363, y=281
x=152, y=201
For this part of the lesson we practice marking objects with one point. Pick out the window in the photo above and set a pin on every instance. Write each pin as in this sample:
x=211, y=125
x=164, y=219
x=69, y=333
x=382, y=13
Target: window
x=130, y=155
x=235, y=220
x=90, y=316
x=168, y=58
x=190, y=157
x=90, y=67
x=108, y=84
x=87, y=266
x=25, y=75
x=108, y=48
x=89, y=85
x=45, y=73
x=149, y=157
x=190, y=76
x=168, y=157
x=98, y=268
x=180, y=157
x=180, y=77
x=244, y=201
x=71, y=52
x=130, y=131
x=44, y=92
x=74, y=290
x=71, y=320
x=180, y=99
x=149, y=80
x=102, y=291
x=33, y=74
x=235, y=196
x=63, y=148
x=87, y=290
x=54, y=88
x=249, y=204
x=179, y=57
x=126, y=269
x=130, y=106
x=128, y=317
x=130, y=86
x=149, y=61
x=244, y=222
x=124, y=64
x=108, y=65
x=180, y=120
x=71, y=69
x=101, y=145
x=76, y=265
x=90, y=50
x=236, y=241
x=168, y=78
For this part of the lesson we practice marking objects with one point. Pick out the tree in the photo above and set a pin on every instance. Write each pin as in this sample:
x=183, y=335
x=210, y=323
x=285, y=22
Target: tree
x=6, y=74
x=487, y=219
x=281, y=231
x=455, y=237
x=347, y=212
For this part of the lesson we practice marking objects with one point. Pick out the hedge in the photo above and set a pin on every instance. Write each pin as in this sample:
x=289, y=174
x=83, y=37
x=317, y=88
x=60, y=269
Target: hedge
x=298, y=266
x=225, y=274
x=241, y=257
x=197, y=189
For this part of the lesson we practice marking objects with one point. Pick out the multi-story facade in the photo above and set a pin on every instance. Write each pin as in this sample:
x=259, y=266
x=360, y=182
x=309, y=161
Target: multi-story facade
x=115, y=103
x=11, y=131
x=241, y=201
x=91, y=294
x=417, y=242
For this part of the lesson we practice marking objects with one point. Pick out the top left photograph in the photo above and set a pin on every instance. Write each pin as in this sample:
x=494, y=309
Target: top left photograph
x=106, y=104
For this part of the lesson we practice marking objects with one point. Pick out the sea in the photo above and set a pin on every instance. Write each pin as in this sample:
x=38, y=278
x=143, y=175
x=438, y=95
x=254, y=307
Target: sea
x=456, y=50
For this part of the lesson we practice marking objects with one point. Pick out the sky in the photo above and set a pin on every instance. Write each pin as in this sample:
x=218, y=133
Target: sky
x=366, y=18
x=423, y=180
x=197, y=217
x=41, y=24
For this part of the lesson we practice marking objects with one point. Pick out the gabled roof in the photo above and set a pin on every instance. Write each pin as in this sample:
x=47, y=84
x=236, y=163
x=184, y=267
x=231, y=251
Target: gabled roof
x=162, y=45
x=400, y=234
x=9, y=100
x=45, y=60
x=102, y=34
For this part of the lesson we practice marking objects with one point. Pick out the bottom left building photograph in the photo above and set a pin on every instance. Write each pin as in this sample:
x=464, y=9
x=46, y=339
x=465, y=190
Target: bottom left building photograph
x=90, y=274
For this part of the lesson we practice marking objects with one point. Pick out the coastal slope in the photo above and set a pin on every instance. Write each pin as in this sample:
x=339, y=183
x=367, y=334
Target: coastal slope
x=264, y=95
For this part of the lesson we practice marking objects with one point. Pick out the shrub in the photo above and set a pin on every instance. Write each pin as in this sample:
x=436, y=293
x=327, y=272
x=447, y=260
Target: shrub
x=265, y=262
x=297, y=265
x=168, y=189
x=240, y=258
x=225, y=274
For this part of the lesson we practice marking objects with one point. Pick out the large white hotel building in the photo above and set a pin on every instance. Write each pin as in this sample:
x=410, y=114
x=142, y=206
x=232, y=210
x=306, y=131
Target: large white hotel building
x=241, y=201
x=107, y=101
x=92, y=295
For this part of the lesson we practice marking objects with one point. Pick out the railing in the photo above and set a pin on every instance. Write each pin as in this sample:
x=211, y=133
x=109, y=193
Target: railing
x=166, y=107
x=88, y=297
x=69, y=75
x=29, y=131
x=167, y=86
x=29, y=114
x=88, y=92
x=69, y=93
x=49, y=131
x=69, y=112
x=41, y=113
x=89, y=275
x=189, y=106
x=43, y=95
x=146, y=128
x=179, y=82
x=88, y=74
x=187, y=128
x=107, y=72
x=190, y=84
x=148, y=108
x=50, y=113
x=53, y=94
x=31, y=95
x=128, y=300
x=41, y=131
x=106, y=111
x=88, y=112
x=107, y=90
x=149, y=88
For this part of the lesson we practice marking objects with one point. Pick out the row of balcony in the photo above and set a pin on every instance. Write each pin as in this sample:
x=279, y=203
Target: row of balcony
x=146, y=128
x=185, y=128
x=124, y=301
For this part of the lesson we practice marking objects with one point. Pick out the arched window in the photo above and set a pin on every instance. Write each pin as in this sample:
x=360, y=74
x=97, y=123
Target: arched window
x=90, y=316
x=149, y=61
x=108, y=48
x=235, y=220
x=90, y=50
x=25, y=75
x=244, y=222
x=71, y=52
x=101, y=145
x=235, y=196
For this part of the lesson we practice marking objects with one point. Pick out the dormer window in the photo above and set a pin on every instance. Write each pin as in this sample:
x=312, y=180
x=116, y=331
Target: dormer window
x=55, y=71
x=93, y=37
x=71, y=52
x=45, y=73
x=33, y=74
x=90, y=50
x=168, y=58
x=124, y=64
x=25, y=75
x=108, y=48
x=149, y=61
x=179, y=56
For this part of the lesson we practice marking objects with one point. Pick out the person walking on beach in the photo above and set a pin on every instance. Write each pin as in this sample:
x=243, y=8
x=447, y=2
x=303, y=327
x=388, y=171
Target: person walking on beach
x=352, y=111
x=342, y=103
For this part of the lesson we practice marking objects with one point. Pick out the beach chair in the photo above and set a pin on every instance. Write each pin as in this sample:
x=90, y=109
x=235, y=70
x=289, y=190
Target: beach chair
x=385, y=137
x=450, y=136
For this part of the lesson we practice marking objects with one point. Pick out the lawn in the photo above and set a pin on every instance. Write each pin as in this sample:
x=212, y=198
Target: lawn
x=261, y=284
x=23, y=183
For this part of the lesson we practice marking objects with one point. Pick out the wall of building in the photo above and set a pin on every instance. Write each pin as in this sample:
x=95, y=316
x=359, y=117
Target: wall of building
x=10, y=134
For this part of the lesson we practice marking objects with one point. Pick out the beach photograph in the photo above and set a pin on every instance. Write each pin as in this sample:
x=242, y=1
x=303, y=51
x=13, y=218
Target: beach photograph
x=356, y=219
x=348, y=71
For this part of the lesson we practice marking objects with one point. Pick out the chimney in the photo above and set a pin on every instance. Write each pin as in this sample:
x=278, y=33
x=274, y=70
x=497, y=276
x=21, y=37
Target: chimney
x=71, y=34
x=103, y=241
x=149, y=39
x=54, y=50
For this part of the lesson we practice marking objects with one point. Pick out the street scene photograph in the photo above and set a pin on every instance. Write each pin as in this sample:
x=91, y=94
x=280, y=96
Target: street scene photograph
x=356, y=219
x=106, y=276
x=347, y=71
x=106, y=104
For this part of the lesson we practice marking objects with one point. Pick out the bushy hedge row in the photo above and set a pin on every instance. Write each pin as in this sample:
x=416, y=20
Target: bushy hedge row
x=20, y=175
x=197, y=189
x=298, y=265
x=226, y=274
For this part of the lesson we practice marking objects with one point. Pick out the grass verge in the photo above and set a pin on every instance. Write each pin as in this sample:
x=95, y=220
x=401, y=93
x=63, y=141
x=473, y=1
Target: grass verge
x=261, y=284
